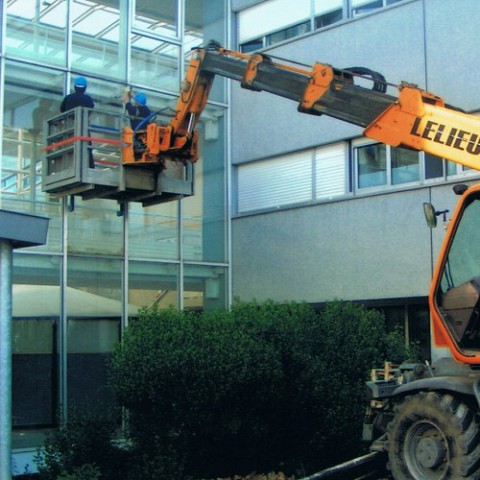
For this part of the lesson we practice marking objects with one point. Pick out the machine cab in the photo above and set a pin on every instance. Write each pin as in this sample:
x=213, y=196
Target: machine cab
x=455, y=292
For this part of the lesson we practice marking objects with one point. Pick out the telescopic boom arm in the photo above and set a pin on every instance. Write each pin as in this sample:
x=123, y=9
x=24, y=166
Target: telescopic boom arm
x=415, y=119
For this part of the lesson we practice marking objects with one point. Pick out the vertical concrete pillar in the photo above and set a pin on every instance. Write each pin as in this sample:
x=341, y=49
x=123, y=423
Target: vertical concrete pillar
x=6, y=261
x=17, y=230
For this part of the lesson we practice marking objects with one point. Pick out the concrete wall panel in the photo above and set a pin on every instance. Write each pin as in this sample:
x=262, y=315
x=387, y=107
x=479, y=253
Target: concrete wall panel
x=366, y=248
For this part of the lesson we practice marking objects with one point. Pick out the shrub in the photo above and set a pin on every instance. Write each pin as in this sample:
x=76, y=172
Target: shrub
x=198, y=385
x=81, y=449
x=228, y=392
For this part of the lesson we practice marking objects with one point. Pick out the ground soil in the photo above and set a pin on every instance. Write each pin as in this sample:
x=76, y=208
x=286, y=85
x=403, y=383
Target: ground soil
x=261, y=476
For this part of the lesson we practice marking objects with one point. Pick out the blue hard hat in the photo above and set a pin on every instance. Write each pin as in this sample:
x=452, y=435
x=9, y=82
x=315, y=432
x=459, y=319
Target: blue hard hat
x=81, y=82
x=140, y=98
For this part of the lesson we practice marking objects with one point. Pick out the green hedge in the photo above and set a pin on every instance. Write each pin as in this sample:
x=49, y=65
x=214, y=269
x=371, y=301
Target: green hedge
x=260, y=387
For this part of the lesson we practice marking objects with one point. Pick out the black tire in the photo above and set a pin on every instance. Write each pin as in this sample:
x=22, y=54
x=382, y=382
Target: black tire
x=434, y=437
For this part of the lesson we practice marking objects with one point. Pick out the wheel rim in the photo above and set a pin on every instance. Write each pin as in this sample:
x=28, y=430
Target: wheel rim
x=426, y=451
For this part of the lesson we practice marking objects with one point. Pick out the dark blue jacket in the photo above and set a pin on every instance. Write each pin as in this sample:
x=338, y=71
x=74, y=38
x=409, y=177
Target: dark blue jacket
x=76, y=99
x=137, y=115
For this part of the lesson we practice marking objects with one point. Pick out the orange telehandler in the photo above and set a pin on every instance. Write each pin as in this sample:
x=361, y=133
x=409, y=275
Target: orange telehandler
x=425, y=418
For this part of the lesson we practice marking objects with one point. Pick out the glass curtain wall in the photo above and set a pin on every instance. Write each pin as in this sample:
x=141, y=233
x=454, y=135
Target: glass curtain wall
x=73, y=297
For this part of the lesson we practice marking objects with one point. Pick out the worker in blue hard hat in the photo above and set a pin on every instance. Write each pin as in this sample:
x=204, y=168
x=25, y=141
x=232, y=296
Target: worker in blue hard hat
x=136, y=106
x=78, y=98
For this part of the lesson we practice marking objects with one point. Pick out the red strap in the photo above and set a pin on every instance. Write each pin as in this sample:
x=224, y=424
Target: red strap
x=82, y=138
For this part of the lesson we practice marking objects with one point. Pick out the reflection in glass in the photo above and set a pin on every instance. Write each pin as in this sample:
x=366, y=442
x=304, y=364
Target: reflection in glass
x=463, y=261
x=458, y=295
x=35, y=312
x=372, y=165
x=95, y=227
x=155, y=63
x=153, y=231
x=205, y=21
x=32, y=95
x=153, y=283
x=405, y=166
x=156, y=17
x=37, y=30
x=433, y=166
x=204, y=288
x=94, y=309
x=204, y=227
x=96, y=37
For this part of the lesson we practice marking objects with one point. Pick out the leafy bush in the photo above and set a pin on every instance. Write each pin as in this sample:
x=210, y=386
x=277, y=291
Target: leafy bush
x=229, y=392
x=81, y=449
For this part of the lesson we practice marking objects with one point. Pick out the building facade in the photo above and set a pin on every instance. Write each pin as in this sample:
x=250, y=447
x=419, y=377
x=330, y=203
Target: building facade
x=73, y=297
x=287, y=206
x=319, y=211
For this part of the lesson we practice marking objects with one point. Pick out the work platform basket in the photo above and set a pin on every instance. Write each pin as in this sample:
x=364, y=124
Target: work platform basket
x=83, y=157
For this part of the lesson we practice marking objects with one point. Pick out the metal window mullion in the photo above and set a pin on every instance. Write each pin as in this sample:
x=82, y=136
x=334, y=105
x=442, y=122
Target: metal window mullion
x=181, y=18
x=312, y=15
x=180, y=299
x=389, y=165
x=63, y=338
x=354, y=156
x=228, y=163
x=2, y=103
x=125, y=269
x=3, y=28
x=128, y=7
x=314, y=192
x=69, y=39
x=181, y=28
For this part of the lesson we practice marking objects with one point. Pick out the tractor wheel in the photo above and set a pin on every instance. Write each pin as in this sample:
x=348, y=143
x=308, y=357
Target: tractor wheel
x=434, y=437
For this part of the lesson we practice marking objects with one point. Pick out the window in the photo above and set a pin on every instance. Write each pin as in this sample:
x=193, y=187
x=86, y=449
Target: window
x=37, y=30
x=331, y=171
x=204, y=21
x=380, y=165
x=156, y=17
x=32, y=94
x=359, y=7
x=328, y=19
x=205, y=288
x=457, y=293
x=153, y=231
x=272, y=21
x=405, y=165
x=327, y=12
x=288, y=33
x=275, y=18
x=153, y=283
x=35, y=340
x=433, y=167
x=282, y=181
x=94, y=309
x=371, y=165
x=292, y=179
x=203, y=214
x=96, y=37
x=252, y=45
x=154, y=63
